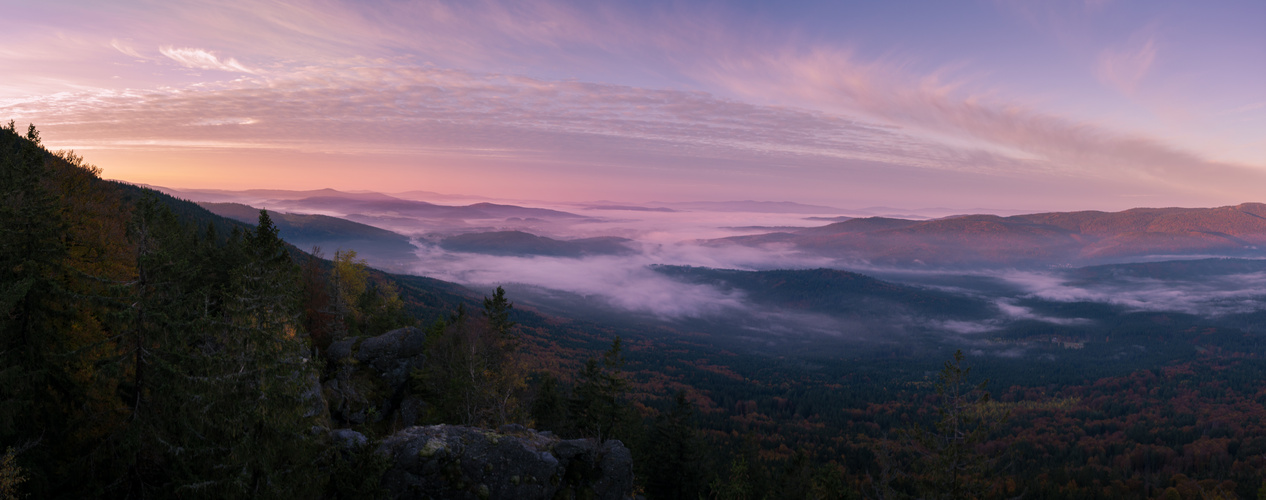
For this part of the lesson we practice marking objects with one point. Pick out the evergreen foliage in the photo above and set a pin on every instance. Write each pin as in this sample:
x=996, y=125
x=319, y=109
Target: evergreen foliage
x=675, y=450
x=598, y=408
x=149, y=349
x=474, y=374
x=948, y=463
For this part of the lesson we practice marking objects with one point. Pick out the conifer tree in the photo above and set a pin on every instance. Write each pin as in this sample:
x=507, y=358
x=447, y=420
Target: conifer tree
x=948, y=464
x=673, y=454
x=597, y=406
x=33, y=302
x=41, y=398
x=249, y=411
x=549, y=406
x=158, y=347
x=505, y=372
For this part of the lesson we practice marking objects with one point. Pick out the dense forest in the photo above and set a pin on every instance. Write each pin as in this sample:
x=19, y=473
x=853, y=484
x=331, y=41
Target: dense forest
x=152, y=349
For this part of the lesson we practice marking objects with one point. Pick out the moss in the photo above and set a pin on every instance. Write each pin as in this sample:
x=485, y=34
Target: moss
x=431, y=448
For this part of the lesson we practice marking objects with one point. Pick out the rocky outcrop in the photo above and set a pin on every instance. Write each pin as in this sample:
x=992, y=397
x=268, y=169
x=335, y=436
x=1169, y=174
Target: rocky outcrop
x=369, y=383
x=370, y=380
x=452, y=462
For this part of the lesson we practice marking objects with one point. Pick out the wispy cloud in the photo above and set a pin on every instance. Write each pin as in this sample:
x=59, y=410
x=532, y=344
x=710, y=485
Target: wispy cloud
x=1211, y=296
x=698, y=94
x=202, y=59
x=1123, y=68
x=454, y=108
x=945, y=110
x=125, y=48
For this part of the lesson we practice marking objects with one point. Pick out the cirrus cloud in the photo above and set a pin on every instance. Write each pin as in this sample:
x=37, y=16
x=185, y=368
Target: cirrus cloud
x=202, y=59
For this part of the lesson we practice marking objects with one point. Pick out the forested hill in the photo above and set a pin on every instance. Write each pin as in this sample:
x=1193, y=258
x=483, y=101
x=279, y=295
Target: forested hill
x=151, y=349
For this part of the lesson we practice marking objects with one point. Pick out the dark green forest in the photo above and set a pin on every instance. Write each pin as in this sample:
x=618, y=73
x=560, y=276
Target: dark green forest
x=153, y=349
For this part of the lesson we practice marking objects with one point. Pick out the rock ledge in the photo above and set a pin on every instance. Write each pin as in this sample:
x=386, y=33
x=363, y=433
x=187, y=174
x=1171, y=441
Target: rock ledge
x=453, y=462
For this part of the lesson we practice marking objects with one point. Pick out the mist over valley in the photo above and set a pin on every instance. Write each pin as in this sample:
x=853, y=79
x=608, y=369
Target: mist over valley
x=815, y=281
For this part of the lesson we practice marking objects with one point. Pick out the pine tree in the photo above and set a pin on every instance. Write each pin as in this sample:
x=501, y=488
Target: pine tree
x=949, y=465
x=34, y=305
x=158, y=347
x=549, y=407
x=45, y=334
x=473, y=374
x=673, y=454
x=597, y=406
x=249, y=408
x=497, y=310
x=505, y=372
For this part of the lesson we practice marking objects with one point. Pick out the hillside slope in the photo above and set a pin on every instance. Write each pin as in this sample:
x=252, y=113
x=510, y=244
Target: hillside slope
x=1046, y=239
x=385, y=248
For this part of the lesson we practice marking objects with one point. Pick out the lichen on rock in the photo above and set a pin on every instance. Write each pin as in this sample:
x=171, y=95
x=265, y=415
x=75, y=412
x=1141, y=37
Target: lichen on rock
x=453, y=462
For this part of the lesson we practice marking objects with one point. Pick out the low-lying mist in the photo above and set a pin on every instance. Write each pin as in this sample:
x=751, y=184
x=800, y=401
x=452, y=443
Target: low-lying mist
x=653, y=276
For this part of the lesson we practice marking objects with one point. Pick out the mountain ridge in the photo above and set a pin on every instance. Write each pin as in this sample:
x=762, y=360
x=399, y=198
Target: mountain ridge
x=1051, y=238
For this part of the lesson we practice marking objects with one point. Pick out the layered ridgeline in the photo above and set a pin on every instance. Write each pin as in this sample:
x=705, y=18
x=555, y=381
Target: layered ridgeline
x=1046, y=239
x=149, y=348
x=152, y=348
x=386, y=249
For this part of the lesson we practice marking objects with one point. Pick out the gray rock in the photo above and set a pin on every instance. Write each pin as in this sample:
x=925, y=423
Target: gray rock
x=348, y=399
x=452, y=462
x=341, y=350
x=372, y=375
x=394, y=354
x=317, y=406
x=347, y=438
x=412, y=408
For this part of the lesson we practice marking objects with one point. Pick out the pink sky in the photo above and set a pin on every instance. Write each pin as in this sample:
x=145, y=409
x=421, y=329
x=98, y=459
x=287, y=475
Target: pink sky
x=1057, y=105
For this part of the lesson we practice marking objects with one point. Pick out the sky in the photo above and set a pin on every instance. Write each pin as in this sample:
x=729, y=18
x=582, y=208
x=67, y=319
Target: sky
x=1052, y=105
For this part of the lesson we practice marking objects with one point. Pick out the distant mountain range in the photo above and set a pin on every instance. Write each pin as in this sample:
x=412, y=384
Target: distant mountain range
x=1057, y=238
x=386, y=249
x=518, y=243
x=364, y=204
x=768, y=207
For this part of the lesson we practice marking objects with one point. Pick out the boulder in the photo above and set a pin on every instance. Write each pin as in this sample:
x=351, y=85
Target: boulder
x=348, y=439
x=370, y=377
x=453, y=462
x=394, y=355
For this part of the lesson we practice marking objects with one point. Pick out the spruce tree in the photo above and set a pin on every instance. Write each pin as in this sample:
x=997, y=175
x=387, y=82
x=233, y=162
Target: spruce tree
x=673, y=454
x=157, y=350
x=39, y=395
x=948, y=463
x=597, y=406
x=249, y=410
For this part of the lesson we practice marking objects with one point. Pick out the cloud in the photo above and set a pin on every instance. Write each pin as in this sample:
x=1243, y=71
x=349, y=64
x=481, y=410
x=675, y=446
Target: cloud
x=940, y=109
x=380, y=105
x=702, y=96
x=1124, y=68
x=1209, y=296
x=1014, y=311
x=626, y=282
x=203, y=59
x=125, y=48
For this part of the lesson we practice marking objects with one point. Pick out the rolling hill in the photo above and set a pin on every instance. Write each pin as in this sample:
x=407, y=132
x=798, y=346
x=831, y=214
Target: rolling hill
x=385, y=248
x=519, y=243
x=1045, y=239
